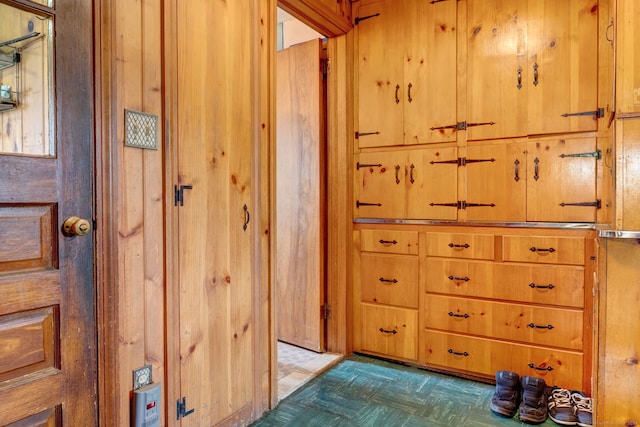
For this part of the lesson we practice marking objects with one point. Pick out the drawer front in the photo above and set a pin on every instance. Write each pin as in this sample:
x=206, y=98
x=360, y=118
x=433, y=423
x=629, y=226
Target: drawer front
x=389, y=331
x=535, y=283
x=514, y=322
x=389, y=279
x=389, y=241
x=461, y=245
x=485, y=357
x=544, y=249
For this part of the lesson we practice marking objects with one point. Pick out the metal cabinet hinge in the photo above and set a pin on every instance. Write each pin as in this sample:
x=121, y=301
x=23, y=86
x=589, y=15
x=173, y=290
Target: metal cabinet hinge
x=597, y=154
x=358, y=19
x=597, y=204
x=463, y=125
x=463, y=204
x=181, y=408
x=597, y=114
x=461, y=161
x=359, y=134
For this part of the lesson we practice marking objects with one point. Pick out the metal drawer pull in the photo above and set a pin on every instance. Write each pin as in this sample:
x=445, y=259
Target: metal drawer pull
x=534, y=249
x=452, y=314
x=409, y=98
x=534, y=286
x=533, y=325
x=540, y=368
x=397, y=89
x=383, y=280
x=397, y=177
x=459, y=279
x=388, y=242
x=453, y=245
x=457, y=353
x=385, y=331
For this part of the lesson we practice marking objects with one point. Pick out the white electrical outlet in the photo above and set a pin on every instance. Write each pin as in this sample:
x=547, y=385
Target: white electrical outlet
x=142, y=376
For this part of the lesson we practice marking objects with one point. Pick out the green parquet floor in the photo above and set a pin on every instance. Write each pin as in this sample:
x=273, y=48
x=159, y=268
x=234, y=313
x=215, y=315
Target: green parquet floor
x=364, y=391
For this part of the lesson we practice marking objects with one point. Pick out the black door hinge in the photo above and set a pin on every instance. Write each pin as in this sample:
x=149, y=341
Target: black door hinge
x=597, y=204
x=181, y=408
x=178, y=194
x=597, y=114
x=463, y=204
x=358, y=19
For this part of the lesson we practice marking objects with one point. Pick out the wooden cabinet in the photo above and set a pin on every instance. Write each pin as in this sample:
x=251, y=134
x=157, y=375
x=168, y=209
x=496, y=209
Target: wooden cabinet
x=531, y=67
x=386, y=293
x=628, y=57
x=519, y=291
x=419, y=183
x=484, y=299
x=406, y=65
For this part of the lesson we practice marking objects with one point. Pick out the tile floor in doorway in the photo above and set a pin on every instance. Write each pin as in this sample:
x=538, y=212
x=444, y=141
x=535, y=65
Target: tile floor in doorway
x=297, y=366
x=361, y=391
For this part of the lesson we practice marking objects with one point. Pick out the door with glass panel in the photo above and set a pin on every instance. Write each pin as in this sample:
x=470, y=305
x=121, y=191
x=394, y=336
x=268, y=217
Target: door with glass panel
x=47, y=309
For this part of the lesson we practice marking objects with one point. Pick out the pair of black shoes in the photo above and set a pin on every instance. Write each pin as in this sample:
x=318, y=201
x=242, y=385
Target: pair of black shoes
x=525, y=396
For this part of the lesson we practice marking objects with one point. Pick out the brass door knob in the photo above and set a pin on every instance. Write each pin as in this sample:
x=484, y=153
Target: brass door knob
x=74, y=226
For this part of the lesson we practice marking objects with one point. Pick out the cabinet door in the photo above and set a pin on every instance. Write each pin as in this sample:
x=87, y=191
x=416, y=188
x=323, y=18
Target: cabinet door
x=562, y=51
x=429, y=71
x=496, y=182
x=432, y=184
x=561, y=182
x=381, y=187
x=496, y=68
x=628, y=56
x=380, y=83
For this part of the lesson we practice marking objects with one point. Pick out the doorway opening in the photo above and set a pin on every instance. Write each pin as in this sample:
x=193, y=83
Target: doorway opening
x=300, y=248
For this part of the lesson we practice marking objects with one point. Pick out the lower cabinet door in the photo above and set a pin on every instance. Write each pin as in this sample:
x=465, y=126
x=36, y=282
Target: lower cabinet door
x=484, y=357
x=389, y=331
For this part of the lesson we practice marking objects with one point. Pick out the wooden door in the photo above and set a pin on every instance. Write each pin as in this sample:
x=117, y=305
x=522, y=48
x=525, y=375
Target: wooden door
x=433, y=194
x=497, y=73
x=48, y=340
x=381, y=91
x=561, y=181
x=429, y=71
x=563, y=66
x=215, y=116
x=496, y=181
x=300, y=197
x=381, y=189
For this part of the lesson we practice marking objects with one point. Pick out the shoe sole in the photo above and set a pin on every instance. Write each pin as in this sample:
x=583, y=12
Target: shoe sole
x=501, y=411
x=532, y=420
x=564, y=423
x=584, y=425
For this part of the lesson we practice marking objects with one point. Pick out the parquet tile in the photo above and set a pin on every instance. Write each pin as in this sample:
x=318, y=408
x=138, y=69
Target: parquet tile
x=362, y=391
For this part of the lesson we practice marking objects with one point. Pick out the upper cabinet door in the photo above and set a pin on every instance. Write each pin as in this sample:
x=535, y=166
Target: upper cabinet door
x=406, y=72
x=497, y=68
x=429, y=71
x=532, y=67
x=563, y=66
x=380, y=83
x=628, y=56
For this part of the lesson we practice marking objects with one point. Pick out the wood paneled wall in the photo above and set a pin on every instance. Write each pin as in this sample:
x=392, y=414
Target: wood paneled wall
x=131, y=202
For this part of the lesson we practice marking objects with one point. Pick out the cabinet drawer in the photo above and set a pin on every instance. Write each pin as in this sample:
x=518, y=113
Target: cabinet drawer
x=544, y=249
x=389, y=241
x=485, y=357
x=389, y=331
x=389, y=279
x=515, y=322
x=543, y=284
x=460, y=245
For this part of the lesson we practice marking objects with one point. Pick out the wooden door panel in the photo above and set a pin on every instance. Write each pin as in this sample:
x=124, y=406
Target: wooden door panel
x=562, y=44
x=496, y=67
x=558, y=182
x=300, y=177
x=381, y=91
x=215, y=139
x=48, y=359
x=496, y=175
x=382, y=186
x=429, y=71
x=432, y=183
